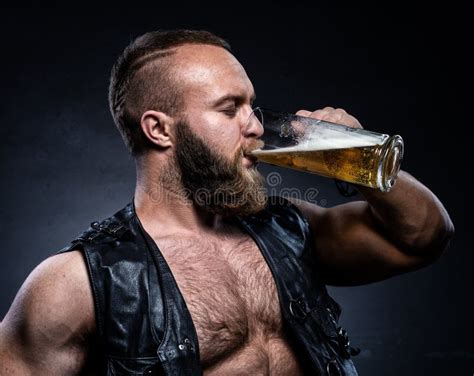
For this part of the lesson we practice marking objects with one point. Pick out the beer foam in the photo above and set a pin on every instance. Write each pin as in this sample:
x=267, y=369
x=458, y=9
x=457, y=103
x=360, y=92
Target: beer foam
x=329, y=141
x=337, y=140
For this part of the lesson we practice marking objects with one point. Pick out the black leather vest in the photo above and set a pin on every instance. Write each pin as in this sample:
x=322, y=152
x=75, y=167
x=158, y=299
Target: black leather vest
x=144, y=326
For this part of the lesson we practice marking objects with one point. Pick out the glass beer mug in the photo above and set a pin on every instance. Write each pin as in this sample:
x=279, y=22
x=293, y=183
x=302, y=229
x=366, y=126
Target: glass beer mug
x=336, y=151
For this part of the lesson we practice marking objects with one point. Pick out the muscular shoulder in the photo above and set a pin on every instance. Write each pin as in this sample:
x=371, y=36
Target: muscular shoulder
x=55, y=305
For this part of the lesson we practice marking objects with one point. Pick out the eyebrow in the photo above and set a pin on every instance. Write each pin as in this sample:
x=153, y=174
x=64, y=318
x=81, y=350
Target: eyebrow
x=233, y=98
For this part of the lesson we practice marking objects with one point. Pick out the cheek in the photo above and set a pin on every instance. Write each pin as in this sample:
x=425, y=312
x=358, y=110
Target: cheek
x=221, y=135
x=224, y=138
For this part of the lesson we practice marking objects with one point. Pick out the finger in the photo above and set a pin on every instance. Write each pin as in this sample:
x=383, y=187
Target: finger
x=335, y=116
x=340, y=116
x=351, y=121
x=320, y=114
x=304, y=113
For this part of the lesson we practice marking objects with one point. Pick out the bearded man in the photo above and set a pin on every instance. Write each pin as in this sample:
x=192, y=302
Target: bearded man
x=201, y=272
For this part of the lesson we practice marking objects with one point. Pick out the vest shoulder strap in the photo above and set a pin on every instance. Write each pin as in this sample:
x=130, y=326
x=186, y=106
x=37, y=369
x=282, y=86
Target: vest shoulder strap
x=123, y=286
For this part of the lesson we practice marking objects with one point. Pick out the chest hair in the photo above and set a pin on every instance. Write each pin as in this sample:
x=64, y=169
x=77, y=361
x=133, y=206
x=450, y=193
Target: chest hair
x=228, y=288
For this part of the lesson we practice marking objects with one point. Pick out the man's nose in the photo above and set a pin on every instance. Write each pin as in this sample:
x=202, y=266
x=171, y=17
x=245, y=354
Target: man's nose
x=253, y=126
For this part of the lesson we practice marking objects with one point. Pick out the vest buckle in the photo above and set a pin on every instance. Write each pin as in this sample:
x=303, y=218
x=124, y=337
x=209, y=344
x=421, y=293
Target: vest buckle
x=112, y=228
x=298, y=308
x=345, y=345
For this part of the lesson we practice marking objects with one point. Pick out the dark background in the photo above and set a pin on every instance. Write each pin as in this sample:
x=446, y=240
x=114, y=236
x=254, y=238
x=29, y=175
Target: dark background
x=395, y=68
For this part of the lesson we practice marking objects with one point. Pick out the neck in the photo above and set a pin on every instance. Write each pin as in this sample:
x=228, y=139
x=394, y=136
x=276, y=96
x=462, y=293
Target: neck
x=162, y=206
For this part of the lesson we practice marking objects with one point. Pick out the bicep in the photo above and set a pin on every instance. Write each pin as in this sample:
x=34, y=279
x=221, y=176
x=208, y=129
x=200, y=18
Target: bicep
x=44, y=332
x=22, y=355
x=11, y=360
x=351, y=249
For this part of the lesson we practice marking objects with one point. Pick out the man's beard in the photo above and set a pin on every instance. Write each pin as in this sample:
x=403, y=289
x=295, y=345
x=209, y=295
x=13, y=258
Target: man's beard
x=213, y=182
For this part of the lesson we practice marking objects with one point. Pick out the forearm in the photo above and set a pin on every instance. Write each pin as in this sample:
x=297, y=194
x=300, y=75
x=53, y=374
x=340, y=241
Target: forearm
x=411, y=216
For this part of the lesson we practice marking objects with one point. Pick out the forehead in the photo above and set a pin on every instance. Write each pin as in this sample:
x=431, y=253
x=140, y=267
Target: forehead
x=207, y=73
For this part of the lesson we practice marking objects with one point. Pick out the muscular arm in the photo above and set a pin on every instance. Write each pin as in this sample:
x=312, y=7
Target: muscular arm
x=389, y=234
x=47, y=329
x=393, y=233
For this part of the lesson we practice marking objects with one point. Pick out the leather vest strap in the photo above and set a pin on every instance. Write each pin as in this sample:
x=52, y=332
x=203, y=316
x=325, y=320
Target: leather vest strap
x=283, y=235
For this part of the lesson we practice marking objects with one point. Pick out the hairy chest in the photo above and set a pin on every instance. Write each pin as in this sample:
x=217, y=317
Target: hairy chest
x=229, y=290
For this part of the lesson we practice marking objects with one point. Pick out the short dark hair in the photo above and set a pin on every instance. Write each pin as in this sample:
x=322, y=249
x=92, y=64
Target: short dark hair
x=141, y=80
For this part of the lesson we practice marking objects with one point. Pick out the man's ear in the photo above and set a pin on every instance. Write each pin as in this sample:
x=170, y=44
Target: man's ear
x=156, y=126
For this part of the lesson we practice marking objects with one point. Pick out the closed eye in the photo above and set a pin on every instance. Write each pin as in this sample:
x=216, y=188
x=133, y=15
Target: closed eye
x=230, y=112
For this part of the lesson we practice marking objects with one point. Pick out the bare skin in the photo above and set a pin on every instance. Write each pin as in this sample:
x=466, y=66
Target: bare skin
x=50, y=326
x=232, y=298
x=226, y=283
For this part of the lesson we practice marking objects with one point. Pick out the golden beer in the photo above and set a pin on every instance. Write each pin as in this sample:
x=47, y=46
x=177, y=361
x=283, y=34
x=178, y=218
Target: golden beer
x=354, y=155
x=374, y=166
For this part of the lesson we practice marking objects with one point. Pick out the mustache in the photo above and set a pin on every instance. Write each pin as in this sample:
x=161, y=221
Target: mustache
x=251, y=146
